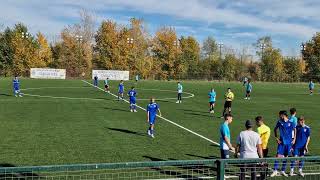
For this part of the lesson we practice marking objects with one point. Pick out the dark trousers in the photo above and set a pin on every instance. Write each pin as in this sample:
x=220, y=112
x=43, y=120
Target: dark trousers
x=179, y=96
x=244, y=168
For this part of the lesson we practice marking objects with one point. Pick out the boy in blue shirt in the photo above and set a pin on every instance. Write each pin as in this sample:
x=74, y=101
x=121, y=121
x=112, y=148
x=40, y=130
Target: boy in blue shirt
x=300, y=146
x=293, y=118
x=311, y=87
x=248, y=90
x=106, y=85
x=152, y=109
x=132, y=98
x=120, y=90
x=284, y=142
x=16, y=87
x=225, y=137
x=212, y=99
x=95, y=81
x=180, y=89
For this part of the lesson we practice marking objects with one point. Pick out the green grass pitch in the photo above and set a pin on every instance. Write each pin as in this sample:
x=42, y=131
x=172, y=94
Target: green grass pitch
x=86, y=125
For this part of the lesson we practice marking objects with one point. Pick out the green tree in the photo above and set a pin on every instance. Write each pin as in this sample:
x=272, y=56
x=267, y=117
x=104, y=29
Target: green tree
x=6, y=52
x=229, y=65
x=293, y=69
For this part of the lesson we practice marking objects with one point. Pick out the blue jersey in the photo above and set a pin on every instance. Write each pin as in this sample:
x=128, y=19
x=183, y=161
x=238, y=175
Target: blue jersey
x=132, y=94
x=152, y=110
x=121, y=88
x=224, y=131
x=311, y=85
x=16, y=84
x=212, y=96
x=249, y=87
x=302, y=135
x=294, y=120
x=285, y=129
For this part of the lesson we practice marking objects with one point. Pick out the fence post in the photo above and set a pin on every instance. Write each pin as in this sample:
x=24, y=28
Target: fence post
x=220, y=169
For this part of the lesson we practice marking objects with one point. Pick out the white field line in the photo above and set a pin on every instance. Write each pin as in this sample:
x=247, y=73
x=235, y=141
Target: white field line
x=178, y=125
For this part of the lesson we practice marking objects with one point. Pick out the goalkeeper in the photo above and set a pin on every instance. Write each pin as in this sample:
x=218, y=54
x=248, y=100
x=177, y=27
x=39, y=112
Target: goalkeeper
x=229, y=96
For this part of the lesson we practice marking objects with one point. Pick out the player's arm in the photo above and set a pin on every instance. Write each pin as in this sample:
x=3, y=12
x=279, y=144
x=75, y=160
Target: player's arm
x=148, y=115
x=275, y=130
x=226, y=139
x=237, y=149
x=294, y=136
x=260, y=152
x=308, y=141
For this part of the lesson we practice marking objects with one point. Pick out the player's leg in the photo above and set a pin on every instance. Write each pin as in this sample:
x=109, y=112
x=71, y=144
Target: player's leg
x=178, y=98
x=292, y=164
x=152, y=130
x=224, y=109
x=280, y=150
x=301, y=152
x=134, y=106
x=287, y=149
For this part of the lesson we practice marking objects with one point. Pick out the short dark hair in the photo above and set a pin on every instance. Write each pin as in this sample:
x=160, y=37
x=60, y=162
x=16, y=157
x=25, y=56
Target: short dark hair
x=132, y=87
x=293, y=110
x=259, y=118
x=283, y=112
x=301, y=118
x=227, y=115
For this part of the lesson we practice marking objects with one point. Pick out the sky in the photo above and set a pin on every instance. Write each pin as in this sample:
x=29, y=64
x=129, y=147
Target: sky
x=235, y=23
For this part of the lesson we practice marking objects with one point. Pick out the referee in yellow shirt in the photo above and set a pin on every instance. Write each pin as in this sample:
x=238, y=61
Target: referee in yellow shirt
x=229, y=96
x=264, y=132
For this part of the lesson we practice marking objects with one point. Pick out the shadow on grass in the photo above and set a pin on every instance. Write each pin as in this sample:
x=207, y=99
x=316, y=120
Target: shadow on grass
x=194, y=111
x=116, y=109
x=16, y=175
x=198, y=114
x=178, y=171
x=127, y=131
x=203, y=157
x=3, y=94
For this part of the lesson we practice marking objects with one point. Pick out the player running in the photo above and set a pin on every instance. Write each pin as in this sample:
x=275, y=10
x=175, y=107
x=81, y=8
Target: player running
x=132, y=98
x=152, y=109
x=212, y=99
x=120, y=90
x=300, y=147
x=106, y=85
x=284, y=142
x=95, y=81
x=248, y=90
x=229, y=96
x=180, y=89
x=16, y=87
x=311, y=87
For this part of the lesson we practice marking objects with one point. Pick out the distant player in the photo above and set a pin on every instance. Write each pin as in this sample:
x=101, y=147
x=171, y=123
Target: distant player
x=229, y=96
x=132, y=98
x=284, y=142
x=152, y=109
x=106, y=85
x=245, y=80
x=137, y=78
x=311, y=87
x=16, y=87
x=300, y=146
x=120, y=90
x=95, y=81
x=212, y=100
x=248, y=90
x=180, y=89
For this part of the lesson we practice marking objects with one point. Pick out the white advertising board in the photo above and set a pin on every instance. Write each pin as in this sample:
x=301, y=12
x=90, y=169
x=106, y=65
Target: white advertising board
x=43, y=73
x=111, y=74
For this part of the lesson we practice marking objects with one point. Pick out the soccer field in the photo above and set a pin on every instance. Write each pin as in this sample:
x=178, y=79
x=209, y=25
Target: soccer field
x=69, y=121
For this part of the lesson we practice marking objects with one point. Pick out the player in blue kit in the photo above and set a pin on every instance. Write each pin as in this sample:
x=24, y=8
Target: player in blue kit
x=212, y=100
x=311, y=87
x=120, y=90
x=16, y=87
x=132, y=98
x=300, y=147
x=248, y=87
x=95, y=81
x=152, y=109
x=284, y=142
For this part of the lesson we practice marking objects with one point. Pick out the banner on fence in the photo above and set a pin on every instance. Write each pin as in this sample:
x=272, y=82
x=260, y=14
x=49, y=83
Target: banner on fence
x=111, y=74
x=43, y=73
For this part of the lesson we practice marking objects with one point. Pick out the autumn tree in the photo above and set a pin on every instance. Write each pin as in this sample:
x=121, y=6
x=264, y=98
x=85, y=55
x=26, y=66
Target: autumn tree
x=311, y=55
x=166, y=51
x=293, y=69
x=6, y=52
x=190, y=56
